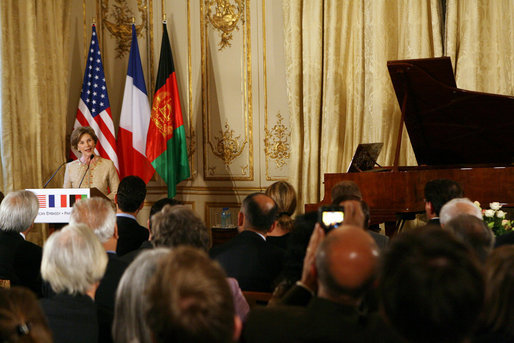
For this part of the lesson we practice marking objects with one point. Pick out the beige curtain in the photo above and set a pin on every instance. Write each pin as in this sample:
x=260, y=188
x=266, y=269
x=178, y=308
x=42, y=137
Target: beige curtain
x=480, y=42
x=34, y=59
x=339, y=90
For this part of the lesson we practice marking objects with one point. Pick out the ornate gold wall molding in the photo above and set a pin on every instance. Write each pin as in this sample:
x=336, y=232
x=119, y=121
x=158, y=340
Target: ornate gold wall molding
x=121, y=28
x=228, y=146
x=276, y=142
x=225, y=18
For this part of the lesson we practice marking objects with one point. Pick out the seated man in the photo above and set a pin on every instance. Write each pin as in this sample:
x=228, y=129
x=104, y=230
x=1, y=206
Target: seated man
x=130, y=200
x=343, y=271
x=248, y=258
x=20, y=260
x=189, y=300
x=431, y=287
x=437, y=193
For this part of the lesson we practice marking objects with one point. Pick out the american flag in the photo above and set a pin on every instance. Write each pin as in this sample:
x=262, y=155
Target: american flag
x=94, y=108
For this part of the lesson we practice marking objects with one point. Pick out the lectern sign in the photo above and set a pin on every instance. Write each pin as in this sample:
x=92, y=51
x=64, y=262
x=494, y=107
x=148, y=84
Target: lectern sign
x=55, y=203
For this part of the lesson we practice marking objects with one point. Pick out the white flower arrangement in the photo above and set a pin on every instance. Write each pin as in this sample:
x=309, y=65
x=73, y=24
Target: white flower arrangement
x=495, y=218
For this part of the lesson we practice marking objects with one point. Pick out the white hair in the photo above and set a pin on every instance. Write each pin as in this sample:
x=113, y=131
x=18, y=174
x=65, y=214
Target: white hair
x=456, y=207
x=73, y=260
x=98, y=214
x=129, y=323
x=18, y=211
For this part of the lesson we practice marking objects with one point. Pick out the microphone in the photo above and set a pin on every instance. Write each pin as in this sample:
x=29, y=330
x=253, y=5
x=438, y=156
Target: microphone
x=55, y=172
x=88, y=164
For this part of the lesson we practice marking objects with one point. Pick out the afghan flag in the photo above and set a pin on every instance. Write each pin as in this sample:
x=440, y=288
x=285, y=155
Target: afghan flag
x=166, y=145
x=134, y=120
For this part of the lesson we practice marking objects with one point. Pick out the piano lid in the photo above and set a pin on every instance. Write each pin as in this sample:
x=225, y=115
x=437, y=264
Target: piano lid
x=448, y=125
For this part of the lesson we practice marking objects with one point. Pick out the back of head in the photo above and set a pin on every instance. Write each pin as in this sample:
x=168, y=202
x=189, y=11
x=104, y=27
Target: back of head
x=131, y=193
x=260, y=212
x=344, y=189
x=179, y=225
x=73, y=260
x=189, y=300
x=98, y=214
x=21, y=318
x=18, y=211
x=284, y=196
x=129, y=323
x=346, y=262
x=456, y=207
x=498, y=314
x=474, y=233
x=159, y=205
x=440, y=191
x=431, y=287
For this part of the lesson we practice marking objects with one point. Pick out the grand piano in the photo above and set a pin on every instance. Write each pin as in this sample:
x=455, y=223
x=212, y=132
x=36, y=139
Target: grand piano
x=456, y=134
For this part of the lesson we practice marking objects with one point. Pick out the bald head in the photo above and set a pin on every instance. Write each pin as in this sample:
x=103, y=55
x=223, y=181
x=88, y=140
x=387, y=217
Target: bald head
x=346, y=262
x=260, y=211
x=456, y=207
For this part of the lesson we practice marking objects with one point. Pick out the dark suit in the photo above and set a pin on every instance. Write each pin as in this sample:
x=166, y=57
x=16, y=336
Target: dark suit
x=252, y=261
x=321, y=321
x=131, y=256
x=131, y=235
x=381, y=240
x=20, y=261
x=106, y=294
x=72, y=318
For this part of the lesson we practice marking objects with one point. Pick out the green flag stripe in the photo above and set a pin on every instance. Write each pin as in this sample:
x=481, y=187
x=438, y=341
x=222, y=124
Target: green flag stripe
x=173, y=165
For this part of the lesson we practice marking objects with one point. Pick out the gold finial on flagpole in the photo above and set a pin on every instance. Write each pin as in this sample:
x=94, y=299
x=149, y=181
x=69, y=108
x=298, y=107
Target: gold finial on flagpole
x=133, y=20
x=93, y=19
x=163, y=12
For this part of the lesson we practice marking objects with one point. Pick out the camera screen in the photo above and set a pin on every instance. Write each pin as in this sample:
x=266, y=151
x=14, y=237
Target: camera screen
x=332, y=218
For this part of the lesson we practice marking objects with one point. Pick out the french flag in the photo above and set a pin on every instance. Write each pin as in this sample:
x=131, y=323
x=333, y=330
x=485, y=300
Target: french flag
x=94, y=109
x=134, y=120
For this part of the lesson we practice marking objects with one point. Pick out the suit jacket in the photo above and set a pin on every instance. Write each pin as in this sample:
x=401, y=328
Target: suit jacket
x=252, y=261
x=20, y=261
x=321, y=321
x=72, y=318
x=381, y=240
x=106, y=294
x=131, y=235
x=131, y=256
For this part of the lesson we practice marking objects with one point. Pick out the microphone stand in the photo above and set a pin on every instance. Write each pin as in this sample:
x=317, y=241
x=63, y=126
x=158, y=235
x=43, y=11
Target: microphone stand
x=89, y=163
x=51, y=177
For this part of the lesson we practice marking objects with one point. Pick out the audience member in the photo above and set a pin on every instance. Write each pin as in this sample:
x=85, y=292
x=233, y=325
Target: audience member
x=284, y=196
x=343, y=189
x=497, y=322
x=21, y=317
x=437, y=193
x=474, y=233
x=20, y=260
x=130, y=200
x=156, y=208
x=248, y=258
x=431, y=287
x=342, y=266
x=99, y=216
x=73, y=263
x=129, y=318
x=456, y=207
x=189, y=300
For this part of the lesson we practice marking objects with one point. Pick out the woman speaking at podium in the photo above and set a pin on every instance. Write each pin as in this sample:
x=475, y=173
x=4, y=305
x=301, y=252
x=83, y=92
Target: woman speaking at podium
x=90, y=170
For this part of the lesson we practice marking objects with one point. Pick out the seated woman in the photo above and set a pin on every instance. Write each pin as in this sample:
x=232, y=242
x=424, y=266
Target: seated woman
x=284, y=196
x=90, y=170
x=73, y=263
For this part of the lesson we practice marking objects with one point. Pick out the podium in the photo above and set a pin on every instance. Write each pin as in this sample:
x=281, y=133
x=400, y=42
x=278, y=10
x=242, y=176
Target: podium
x=55, y=203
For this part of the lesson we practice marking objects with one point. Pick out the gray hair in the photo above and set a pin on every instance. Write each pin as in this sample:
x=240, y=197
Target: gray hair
x=73, y=260
x=129, y=323
x=458, y=206
x=98, y=214
x=474, y=233
x=18, y=211
x=179, y=225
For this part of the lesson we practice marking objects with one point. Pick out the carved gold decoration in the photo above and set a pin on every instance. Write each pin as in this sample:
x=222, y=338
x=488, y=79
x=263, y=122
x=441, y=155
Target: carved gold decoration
x=227, y=146
x=244, y=169
x=212, y=170
x=276, y=142
x=191, y=138
x=121, y=28
x=225, y=18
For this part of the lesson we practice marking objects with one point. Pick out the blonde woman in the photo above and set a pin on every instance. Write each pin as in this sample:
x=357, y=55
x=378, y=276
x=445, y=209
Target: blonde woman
x=284, y=196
